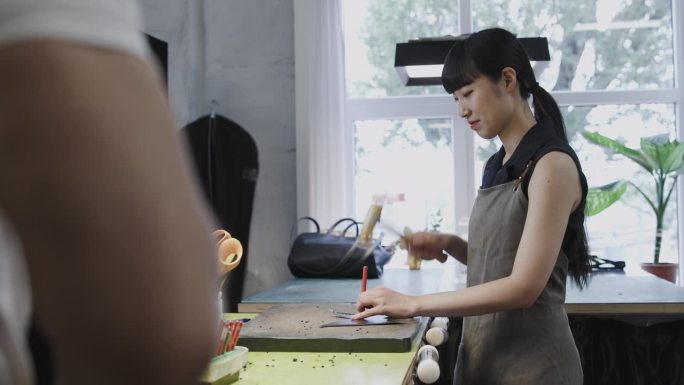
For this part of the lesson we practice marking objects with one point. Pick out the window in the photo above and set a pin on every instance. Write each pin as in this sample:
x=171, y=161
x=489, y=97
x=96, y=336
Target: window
x=398, y=157
x=594, y=44
x=615, y=66
x=371, y=30
x=411, y=141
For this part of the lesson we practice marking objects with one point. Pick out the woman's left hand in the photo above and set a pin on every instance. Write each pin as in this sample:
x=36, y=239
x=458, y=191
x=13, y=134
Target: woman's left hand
x=383, y=301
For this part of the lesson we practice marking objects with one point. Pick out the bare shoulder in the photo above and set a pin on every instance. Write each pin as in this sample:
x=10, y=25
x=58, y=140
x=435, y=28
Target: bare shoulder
x=556, y=174
x=556, y=162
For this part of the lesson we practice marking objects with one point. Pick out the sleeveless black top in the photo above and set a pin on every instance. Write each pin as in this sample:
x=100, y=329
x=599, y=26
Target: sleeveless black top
x=537, y=142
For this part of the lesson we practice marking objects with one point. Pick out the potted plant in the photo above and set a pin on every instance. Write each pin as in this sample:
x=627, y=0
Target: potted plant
x=663, y=159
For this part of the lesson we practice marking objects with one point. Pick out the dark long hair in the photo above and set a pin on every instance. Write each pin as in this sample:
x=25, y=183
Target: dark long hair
x=487, y=53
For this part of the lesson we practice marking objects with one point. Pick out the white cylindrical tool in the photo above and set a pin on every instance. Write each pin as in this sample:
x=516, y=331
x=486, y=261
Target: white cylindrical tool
x=442, y=322
x=436, y=336
x=428, y=364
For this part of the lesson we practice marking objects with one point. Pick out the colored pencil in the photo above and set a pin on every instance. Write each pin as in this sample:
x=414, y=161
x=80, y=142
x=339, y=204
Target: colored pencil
x=222, y=338
x=364, y=279
x=235, y=335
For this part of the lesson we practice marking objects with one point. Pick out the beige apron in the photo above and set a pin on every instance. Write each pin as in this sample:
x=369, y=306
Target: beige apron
x=522, y=346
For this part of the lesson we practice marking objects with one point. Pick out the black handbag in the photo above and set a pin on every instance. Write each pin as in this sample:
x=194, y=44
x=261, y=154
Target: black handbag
x=326, y=255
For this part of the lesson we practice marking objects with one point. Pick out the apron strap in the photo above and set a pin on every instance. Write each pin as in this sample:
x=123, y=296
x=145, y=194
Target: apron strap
x=519, y=180
x=524, y=178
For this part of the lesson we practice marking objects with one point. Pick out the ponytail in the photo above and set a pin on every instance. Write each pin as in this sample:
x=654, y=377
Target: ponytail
x=545, y=106
x=579, y=265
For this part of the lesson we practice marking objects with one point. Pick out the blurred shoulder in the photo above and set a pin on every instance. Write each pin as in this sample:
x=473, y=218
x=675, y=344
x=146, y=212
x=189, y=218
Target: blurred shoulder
x=102, y=23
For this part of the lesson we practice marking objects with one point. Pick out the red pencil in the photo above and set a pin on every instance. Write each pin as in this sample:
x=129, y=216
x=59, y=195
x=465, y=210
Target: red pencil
x=236, y=335
x=364, y=279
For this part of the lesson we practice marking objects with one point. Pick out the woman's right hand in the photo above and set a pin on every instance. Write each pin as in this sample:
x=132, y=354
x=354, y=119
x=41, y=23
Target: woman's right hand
x=429, y=245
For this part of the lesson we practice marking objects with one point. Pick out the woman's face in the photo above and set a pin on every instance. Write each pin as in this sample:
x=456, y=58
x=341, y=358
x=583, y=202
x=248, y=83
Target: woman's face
x=485, y=105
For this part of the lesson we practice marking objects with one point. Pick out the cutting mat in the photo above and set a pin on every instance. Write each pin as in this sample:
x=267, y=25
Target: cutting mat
x=296, y=328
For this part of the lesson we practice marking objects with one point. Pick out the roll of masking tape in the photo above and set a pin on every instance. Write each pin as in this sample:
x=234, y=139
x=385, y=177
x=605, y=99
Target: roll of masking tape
x=436, y=336
x=229, y=251
x=428, y=364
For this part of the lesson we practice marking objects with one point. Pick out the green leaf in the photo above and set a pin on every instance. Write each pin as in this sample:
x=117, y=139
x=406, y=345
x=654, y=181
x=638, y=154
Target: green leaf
x=615, y=146
x=600, y=198
x=651, y=152
x=674, y=160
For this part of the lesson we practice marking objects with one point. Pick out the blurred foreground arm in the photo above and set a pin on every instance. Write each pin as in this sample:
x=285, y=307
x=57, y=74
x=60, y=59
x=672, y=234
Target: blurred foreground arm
x=94, y=180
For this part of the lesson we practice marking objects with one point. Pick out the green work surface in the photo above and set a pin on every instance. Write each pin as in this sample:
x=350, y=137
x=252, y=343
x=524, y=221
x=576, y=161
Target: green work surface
x=283, y=368
x=312, y=368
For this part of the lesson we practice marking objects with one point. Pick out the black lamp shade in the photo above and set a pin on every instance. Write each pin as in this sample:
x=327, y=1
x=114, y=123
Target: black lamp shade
x=432, y=51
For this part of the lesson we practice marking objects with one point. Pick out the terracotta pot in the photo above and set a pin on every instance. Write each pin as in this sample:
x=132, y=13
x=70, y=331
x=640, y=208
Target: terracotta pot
x=666, y=271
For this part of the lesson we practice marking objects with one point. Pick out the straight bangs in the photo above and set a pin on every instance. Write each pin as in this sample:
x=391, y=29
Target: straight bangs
x=459, y=69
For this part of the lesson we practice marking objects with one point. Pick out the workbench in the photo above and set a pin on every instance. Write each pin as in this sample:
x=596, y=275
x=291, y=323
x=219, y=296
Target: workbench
x=644, y=300
x=303, y=368
x=607, y=294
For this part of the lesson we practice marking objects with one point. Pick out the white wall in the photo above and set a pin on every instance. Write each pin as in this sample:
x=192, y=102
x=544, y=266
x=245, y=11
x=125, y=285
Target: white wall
x=237, y=58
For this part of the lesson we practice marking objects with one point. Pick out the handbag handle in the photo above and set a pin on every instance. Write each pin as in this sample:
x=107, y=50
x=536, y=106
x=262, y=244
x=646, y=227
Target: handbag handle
x=344, y=232
x=294, y=231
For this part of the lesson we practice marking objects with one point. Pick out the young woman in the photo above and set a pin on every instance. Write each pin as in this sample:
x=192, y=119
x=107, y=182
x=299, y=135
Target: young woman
x=526, y=230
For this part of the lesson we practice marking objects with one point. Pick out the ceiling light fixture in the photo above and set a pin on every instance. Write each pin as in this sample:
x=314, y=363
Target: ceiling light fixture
x=419, y=62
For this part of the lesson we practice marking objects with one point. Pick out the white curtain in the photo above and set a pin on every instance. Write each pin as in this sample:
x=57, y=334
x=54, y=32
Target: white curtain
x=323, y=146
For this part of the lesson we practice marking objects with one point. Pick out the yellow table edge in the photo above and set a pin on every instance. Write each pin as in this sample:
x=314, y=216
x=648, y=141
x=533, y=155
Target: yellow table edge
x=302, y=368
